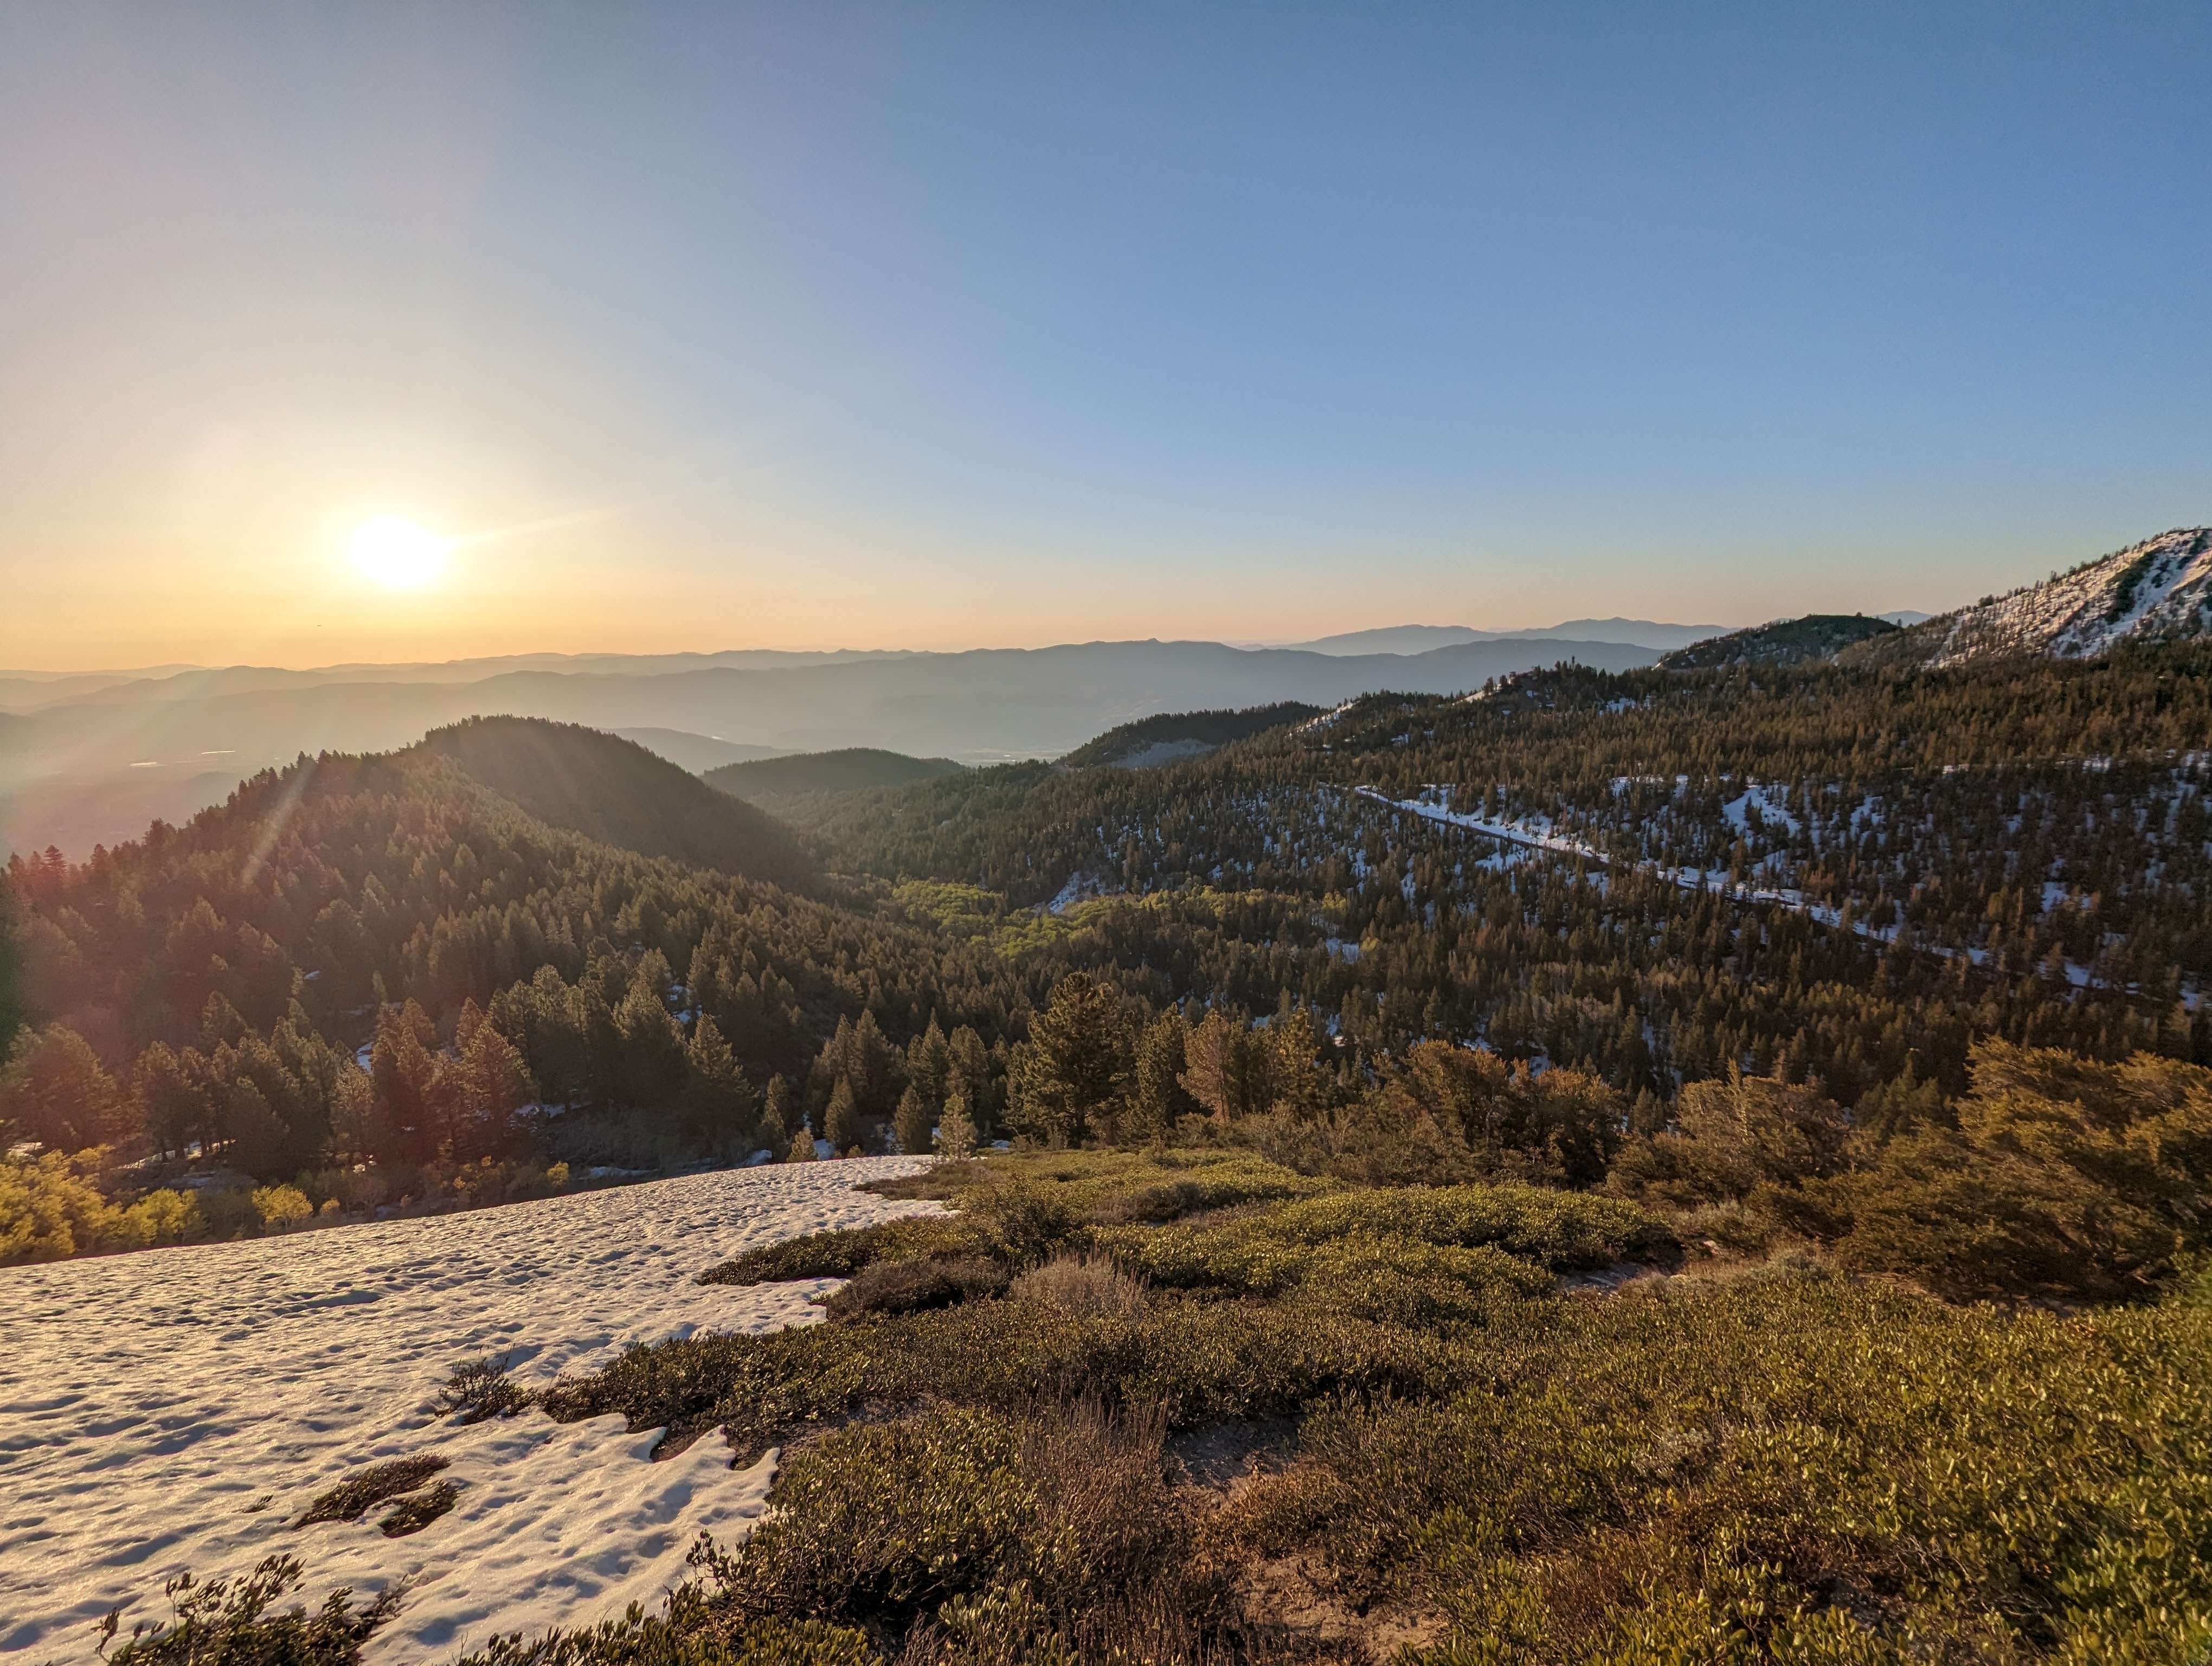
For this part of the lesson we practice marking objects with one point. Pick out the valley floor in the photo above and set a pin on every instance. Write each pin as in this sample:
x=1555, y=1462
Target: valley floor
x=178, y=1409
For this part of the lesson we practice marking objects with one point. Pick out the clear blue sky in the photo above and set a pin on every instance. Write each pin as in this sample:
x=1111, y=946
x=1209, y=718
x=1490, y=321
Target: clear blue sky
x=951, y=324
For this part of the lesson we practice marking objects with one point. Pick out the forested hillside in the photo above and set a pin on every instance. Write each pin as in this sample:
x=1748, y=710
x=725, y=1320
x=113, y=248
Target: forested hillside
x=528, y=942
x=1844, y=873
x=763, y=781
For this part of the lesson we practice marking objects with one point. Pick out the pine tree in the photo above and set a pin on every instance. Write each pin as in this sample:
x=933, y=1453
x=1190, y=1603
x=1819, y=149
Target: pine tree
x=955, y=1130
x=779, y=1116
x=912, y=1124
x=55, y=1092
x=1075, y=1064
x=1156, y=1099
x=1212, y=1077
x=719, y=1101
x=841, y=1123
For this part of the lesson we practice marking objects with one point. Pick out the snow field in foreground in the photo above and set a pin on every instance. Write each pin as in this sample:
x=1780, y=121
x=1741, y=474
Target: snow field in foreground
x=149, y=1401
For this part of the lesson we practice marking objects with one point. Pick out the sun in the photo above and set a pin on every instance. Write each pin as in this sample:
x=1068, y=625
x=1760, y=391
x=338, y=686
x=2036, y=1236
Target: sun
x=397, y=554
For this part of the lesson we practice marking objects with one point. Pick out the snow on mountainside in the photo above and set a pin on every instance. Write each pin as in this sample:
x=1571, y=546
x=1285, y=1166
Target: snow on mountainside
x=2160, y=590
x=178, y=1409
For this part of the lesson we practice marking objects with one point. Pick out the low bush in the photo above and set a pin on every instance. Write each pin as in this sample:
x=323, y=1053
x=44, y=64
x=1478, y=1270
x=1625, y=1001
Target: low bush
x=357, y=1494
x=890, y=1523
x=692, y=1633
x=889, y=1288
x=479, y=1390
x=1462, y=1237
x=282, y=1207
x=1084, y=1285
x=841, y=1253
x=224, y=1622
x=418, y=1509
x=52, y=1207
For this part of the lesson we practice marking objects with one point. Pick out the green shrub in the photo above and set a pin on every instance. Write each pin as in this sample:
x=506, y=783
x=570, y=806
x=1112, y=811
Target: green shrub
x=891, y=1287
x=1023, y=1221
x=282, y=1206
x=161, y=1217
x=1502, y=1235
x=841, y=1253
x=887, y=1524
x=1781, y=1465
x=418, y=1509
x=52, y=1207
x=689, y=1634
x=223, y=1622
x=1565, y=1230
x=356, y=1494
x=479, y=1390
x=228, y=1214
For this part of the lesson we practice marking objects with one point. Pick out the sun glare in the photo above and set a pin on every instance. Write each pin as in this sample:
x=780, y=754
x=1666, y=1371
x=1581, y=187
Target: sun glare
x=397, y=554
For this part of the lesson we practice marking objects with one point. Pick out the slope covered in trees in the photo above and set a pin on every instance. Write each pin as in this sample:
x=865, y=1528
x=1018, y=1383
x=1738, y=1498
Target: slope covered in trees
x=1784, y=642
x=1840, y=879
x=848, y=770
x=617, y=792
x=1171, y=735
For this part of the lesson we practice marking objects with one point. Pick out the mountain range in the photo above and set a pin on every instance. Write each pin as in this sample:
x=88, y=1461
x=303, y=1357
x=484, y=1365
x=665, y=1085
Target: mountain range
x=96, y=765
x=91, y=758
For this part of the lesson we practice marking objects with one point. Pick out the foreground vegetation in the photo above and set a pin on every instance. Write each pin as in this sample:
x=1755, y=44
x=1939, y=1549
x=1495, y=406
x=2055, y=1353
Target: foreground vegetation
x=1196, y=1406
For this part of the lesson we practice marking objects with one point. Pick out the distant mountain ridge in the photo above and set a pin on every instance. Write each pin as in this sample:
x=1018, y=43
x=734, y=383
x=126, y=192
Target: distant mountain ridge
x=95, y=769
x=2157, y=591
x=1414, y=639
x=848, y=770
x=696, y=752
x=1783, y=642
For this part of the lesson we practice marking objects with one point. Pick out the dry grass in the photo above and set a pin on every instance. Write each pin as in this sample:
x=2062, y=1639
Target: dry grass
x=1090, y=1285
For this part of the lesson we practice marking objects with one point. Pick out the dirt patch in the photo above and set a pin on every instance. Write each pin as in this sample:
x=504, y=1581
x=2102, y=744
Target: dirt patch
x=1287, y=1602
x=1224, y=1458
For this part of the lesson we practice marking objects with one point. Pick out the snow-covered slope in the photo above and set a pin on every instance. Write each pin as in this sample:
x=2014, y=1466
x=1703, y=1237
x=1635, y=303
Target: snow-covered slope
x=2161, y=590
x=176, y=1409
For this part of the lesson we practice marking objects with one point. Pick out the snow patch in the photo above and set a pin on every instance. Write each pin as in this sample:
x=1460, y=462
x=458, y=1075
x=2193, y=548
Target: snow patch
x=147, y=1402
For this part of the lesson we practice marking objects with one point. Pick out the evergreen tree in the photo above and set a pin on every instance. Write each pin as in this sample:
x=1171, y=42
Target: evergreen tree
x=929, y=1063
x=780, y=1122
x=1213, y=1074
x=840, y=1122
x=15, y=1011
x=719, y=1102
x=912, y=1124
x=403, y=1074
x=1073, y=1069
x=955, y=1130
x=652, y=1072
x=1156, y=1099
x=54, y=1090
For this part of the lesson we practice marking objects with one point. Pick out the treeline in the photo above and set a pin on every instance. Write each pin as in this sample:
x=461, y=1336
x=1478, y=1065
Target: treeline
x=2051, y=1174
x=382, y=962
x=2010, y=850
